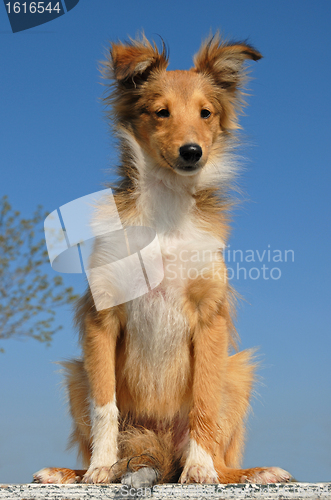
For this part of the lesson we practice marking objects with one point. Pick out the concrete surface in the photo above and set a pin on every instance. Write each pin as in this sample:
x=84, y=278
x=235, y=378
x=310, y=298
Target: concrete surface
x=287, y=491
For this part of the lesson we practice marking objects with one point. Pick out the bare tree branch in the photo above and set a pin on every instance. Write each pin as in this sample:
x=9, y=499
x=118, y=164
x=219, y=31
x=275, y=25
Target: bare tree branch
x=28, y=294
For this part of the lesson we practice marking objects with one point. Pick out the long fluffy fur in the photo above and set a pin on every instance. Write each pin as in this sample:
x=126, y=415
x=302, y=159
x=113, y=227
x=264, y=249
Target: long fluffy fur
x=163, y=361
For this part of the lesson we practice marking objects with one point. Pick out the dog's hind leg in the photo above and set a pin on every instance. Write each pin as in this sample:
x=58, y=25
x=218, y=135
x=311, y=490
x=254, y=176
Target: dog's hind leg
x=78, y=393
x=57, y=475
x=231, y=434
x=235, y=407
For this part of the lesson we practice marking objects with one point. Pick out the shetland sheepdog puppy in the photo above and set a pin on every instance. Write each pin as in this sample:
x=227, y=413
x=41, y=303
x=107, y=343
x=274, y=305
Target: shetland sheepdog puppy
x=159, y=395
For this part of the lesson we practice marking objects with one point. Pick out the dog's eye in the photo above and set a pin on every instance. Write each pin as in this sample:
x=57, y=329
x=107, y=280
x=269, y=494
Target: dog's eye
x=205, y=113
x=163, y=113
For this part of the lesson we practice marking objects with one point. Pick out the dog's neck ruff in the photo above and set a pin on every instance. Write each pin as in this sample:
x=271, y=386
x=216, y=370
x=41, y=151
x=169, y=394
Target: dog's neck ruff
x=165, y=200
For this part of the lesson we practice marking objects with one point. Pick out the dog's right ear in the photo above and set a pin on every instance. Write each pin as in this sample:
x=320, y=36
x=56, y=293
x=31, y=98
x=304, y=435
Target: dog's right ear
x=132, y=62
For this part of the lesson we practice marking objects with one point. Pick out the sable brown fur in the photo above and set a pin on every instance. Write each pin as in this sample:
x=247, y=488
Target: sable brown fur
x=158, y=385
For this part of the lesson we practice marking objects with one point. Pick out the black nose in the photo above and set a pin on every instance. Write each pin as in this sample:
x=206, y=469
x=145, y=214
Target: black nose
x=191, y=153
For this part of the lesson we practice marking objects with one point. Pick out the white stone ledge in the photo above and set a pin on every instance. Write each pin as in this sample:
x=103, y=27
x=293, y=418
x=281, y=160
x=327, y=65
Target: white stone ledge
x=290, y=491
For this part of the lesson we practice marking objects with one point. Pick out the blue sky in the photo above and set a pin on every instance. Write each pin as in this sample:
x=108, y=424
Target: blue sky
x=55, y=147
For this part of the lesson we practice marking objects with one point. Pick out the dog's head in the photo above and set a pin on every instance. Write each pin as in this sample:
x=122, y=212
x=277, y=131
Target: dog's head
x=179, y=118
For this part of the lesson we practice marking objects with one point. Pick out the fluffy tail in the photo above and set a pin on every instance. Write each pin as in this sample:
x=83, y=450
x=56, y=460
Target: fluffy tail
x=140, y=447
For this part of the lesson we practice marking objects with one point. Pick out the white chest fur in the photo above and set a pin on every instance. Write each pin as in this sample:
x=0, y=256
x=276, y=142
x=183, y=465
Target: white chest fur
x=157, y=330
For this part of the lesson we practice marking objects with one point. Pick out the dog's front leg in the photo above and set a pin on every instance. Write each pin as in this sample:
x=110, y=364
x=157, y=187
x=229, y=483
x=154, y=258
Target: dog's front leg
x=99, y=345
x=210, y=354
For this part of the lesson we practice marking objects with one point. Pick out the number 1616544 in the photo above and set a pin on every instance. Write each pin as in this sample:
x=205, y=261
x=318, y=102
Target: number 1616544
x=33, y=7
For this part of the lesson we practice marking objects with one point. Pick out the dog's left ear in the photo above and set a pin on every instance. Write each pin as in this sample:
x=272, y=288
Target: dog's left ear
x=223, y=63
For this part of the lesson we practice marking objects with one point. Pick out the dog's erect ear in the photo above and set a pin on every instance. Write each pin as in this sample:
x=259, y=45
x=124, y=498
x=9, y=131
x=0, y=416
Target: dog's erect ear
x=132, y=62
x=223, y=63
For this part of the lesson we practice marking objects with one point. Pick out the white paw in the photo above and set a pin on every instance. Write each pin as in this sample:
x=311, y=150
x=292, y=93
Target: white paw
x=267, y=475
x=98, y=475
x=199, y=474
x=53, y=475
